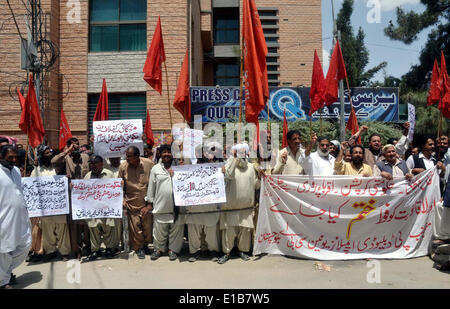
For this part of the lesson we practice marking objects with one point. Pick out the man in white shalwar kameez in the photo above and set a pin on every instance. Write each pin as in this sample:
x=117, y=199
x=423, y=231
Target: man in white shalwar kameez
x=319, y=163
x=241, y=182
x=167, y=234
x=15, y=227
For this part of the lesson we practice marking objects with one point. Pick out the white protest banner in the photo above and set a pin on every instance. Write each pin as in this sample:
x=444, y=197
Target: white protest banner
x=346, y=217
x=411, y=120
x=112, y=138
x=97, y=198
x=46, y=195
x=198, y=184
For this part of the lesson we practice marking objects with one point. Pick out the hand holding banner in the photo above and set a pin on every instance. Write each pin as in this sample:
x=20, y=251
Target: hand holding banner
x=97, y=198
x=112, y=138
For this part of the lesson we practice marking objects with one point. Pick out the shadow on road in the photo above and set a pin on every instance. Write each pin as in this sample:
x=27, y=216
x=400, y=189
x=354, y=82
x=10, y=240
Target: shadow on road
x=28, y=279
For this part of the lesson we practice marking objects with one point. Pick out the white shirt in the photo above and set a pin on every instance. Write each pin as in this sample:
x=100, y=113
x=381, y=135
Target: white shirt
x=429, y=163
x=15, y=229
x=160, y=194
x=316, y=165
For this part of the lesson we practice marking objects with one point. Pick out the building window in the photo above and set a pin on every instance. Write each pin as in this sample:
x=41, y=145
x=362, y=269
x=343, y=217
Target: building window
x=269, y=22
x=120, y=106
x=227, y=74
x=226, y=26
x=117, y=25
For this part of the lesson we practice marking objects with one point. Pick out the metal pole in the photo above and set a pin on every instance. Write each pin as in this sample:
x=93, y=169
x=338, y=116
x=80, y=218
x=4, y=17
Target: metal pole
x=341, y=97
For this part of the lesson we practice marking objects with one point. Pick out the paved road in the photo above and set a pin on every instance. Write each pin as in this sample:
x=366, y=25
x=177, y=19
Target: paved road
x=264, y=272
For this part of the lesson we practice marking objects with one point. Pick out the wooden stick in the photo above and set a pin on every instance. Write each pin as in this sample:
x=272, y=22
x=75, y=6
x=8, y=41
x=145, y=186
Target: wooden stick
x=241, y=90
x=268, y=117
x=168, y=96
x=320, y=122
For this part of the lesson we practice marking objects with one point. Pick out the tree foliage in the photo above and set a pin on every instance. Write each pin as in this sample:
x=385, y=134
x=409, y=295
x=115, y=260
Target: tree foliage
x=355, y=53
x=409, y=25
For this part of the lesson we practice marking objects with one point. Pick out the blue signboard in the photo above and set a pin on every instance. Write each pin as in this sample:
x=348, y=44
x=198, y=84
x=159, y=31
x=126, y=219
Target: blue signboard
x=218, y=104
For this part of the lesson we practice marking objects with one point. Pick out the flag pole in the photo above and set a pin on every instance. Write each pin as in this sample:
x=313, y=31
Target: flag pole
x=168, y=96
x=320, y=121
x=241, y=90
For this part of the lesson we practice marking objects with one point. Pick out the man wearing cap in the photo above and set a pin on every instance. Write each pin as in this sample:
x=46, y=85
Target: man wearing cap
x=236, y=222
x=55, y=231
x=167, y=234
x=101, y=228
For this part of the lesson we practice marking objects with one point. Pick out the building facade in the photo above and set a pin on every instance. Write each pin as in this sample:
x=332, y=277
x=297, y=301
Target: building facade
x=109, y=39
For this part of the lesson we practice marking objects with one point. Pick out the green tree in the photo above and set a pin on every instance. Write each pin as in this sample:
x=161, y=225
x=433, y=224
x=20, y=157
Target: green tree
x=355, y=53
x=409, y=25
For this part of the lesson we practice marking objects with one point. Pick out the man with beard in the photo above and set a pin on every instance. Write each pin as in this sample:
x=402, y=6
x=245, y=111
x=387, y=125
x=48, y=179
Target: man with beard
x=101, y=229
x=391, y=166
x=55, y=232
x=356, y=166
x=287, y=162
x=236, y=222
x=373, y=154
x=135, y=173
x=167, y=234
x=319, y=163
x=203, y=220
x=15, y=228
x=76, y=166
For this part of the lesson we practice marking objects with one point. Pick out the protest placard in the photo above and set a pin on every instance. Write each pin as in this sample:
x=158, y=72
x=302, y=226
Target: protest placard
x=97, y=198
x=112, y=138
x=46, y=195
x=198, y=184
x=346, y=217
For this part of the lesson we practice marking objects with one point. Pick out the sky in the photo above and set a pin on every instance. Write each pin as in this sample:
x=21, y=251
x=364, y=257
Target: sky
x=399, y=56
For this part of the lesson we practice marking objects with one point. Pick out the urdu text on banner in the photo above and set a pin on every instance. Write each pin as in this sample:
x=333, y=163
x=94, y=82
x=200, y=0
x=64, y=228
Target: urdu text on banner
x=345, y=217
x=198, y=184
x=46, y=195
x=112, y=138
x=97, y=198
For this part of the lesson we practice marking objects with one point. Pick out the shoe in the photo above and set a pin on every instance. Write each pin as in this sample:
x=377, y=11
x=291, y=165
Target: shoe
x=194, y=257
x=108, y=253
x=147, y=250
x=36, y=258
x=244, y=256
x=6, y=286
x=94, y=256
x=49, y=257
x=155, y=255
x=140, y=253
x=223, y=259
x=214, y=256
x=12, y=279
x=172, y=256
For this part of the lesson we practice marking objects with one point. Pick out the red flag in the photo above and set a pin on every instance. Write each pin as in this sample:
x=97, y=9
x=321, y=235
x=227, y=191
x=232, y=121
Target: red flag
x=317, y=92
x=182, y=100
x=30, y=119
x=335, y=73
x=64, y=131
x=285, y=131
x=444, y=85
x=434, y=94
x=148, y=131
x=155, y=57
x=352, y=124
x=101, y=113
x=21, y=99
x=255, y=51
